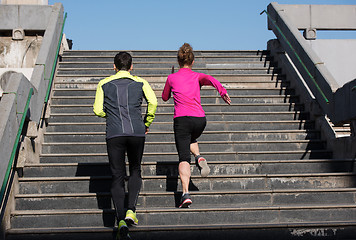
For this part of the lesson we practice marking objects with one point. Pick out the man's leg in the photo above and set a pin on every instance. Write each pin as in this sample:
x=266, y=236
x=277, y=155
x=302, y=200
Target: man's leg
x=134, y=155
x=116, y=148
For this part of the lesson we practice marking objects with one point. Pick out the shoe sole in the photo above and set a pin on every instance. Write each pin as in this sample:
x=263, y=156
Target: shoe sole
x=186, y=203
x=204, y=168
x=130, y=221
x=124, y=233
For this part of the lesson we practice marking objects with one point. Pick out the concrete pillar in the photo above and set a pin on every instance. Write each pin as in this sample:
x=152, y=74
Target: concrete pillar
x=25, y=2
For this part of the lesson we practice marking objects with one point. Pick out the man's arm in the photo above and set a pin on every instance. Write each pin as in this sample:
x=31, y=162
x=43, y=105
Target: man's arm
x=98, y=106
x=151, y=99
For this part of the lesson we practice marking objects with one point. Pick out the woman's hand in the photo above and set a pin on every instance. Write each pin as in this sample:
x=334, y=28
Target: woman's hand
x=227, y=98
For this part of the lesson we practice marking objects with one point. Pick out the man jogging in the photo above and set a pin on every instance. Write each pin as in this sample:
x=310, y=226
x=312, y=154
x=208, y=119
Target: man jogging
x=118, y=99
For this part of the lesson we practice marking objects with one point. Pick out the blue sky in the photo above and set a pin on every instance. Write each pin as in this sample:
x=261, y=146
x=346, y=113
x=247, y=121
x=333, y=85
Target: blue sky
x=166, y=25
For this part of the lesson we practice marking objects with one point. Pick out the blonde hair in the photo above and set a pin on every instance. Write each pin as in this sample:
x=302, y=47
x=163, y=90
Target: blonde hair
x=185, y=55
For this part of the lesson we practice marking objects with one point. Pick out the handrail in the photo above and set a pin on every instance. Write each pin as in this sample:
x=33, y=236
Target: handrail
x=55, y=61
x=14, y=149
x=297, y=56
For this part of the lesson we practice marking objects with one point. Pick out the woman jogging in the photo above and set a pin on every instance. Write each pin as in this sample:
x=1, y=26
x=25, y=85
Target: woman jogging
x=189, y=116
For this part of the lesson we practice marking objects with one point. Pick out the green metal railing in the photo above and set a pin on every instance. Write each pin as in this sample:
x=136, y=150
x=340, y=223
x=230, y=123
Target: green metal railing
x=14, y=149
x=296, y=55
x=55, y=61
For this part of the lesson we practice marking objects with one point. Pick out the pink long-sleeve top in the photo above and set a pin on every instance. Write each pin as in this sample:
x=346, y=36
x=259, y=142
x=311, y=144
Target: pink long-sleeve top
x=185, y=86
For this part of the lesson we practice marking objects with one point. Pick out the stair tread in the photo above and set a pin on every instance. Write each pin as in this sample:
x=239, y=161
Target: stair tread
x=203, y=153
x=205, y=132
x=266, y=175
x=175, y=209
x=190, y=227
x=200, y=142
x=193, y=193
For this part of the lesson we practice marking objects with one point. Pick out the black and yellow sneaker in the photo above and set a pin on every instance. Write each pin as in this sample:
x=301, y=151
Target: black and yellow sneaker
x=123, y=231
x=185, y=201
x=131, y=217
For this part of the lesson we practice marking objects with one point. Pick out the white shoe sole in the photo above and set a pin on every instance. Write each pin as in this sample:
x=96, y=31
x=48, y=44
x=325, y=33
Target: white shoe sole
x=204, y=168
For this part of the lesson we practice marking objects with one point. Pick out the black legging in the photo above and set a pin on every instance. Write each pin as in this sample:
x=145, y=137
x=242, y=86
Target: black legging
x=186, y=131
x=116, y=148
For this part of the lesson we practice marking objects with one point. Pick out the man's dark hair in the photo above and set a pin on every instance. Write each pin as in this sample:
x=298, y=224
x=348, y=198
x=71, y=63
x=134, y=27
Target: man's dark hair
x=123, y=61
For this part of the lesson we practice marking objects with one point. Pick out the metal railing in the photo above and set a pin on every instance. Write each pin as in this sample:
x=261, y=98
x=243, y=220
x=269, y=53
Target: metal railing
x=297, y=56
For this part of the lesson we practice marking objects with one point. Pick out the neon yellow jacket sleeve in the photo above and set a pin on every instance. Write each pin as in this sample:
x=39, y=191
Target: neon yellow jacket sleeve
x=151, y=99
x=98, y=107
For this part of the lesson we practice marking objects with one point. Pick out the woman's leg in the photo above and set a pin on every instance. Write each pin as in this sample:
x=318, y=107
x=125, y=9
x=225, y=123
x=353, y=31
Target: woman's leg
x=184, y=173
x=182, y=136
x=194, y=148
x=199, y=126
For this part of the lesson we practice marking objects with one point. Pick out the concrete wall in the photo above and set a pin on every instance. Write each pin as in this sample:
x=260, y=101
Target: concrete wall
x=10, y=105
x=321, y=17
x=29, y=2
x=325, y=67
x=338, y=55
x=28, y=17
x=48, y=19
x=41, y=54
x=19, y=54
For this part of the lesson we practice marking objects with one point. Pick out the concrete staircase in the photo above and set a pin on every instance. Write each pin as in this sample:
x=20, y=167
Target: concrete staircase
x=271, y=174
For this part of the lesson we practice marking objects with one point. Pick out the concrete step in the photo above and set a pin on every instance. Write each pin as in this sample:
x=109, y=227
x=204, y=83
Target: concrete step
x=206, y=136
x=217, y=146
x=267, y=231
x=94, y=184
x=203, y=92
x=204, y=99
x=162, y=71
x=164, y=108
x=173, y=59
x=167, y=168
x=172, y=53
x=211, y=126
x=160, y=85
x=164, y=57
x=210, y=116
x=174, y=216
x=172, y=156
x=169, y=64
x=147, y=200
x=163, y=78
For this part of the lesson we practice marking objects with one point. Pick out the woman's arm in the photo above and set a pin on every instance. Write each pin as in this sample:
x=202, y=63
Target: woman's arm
x=208, y=80
x=166, y=94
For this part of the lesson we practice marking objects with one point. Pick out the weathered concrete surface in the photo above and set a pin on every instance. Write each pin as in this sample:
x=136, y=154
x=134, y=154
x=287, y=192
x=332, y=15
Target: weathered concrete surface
x=19, y=54
x=27, y=2
x=28, y=17
x=45, y=61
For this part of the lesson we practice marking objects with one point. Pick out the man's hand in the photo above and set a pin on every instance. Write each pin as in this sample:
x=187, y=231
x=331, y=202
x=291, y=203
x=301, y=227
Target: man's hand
x=147, y=129
x=227, y=98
